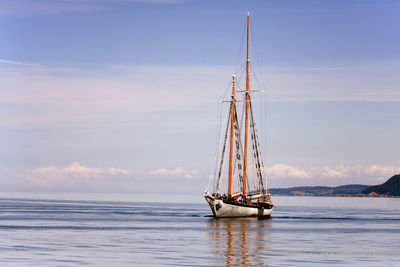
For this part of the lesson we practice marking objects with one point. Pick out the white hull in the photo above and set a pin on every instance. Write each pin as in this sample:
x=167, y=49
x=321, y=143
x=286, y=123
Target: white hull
x=224, y=210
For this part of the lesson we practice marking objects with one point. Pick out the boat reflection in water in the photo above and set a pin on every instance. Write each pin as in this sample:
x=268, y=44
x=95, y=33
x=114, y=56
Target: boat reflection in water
x=239, y=241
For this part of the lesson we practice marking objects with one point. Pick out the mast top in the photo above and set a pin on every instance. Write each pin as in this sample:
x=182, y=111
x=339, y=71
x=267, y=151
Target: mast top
x=248, y=13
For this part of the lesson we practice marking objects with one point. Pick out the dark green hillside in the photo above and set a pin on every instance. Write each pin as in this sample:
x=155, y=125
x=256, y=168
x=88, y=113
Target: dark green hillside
x=302, y=190
x=391, y=187
x=351, y=189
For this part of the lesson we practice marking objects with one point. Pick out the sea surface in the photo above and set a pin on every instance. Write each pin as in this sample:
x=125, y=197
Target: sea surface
x=116, y=230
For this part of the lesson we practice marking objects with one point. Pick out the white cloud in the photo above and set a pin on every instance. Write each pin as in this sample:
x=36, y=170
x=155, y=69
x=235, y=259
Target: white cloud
x=52, y=176
x=341, y=172
x=377, y=171
x=18, y=63
x=332, y=172
x=175, y=172
x=381, y=170
x=282, y=170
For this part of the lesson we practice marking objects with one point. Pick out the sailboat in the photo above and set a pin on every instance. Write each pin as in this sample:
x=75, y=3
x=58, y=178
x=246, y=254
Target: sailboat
x=246, y=192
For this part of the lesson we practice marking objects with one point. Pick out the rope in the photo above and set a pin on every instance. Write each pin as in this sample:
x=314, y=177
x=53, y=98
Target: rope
x=214, y=169
x=257, y=57
x=265, y=113
x=240, y=50
x=223, y=153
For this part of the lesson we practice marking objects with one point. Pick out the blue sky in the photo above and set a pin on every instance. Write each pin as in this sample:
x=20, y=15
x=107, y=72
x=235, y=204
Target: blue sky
x=198, y=32
x=121, y=95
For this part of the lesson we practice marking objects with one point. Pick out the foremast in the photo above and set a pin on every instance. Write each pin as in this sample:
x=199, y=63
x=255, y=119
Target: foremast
x=231, y=135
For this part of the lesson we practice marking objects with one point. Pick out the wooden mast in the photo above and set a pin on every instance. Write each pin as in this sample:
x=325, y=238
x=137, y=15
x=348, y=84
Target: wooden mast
x=247, y=109
x=231, y=139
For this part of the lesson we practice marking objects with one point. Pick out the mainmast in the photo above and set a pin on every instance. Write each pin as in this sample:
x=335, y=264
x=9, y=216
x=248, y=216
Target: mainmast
x=247, y=109
x=231, y=138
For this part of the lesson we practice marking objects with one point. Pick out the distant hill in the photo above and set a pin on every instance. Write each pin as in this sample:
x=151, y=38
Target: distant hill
x=351, y=189
x=391, y=187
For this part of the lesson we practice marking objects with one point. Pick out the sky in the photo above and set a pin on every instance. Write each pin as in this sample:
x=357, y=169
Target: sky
x=121, y=95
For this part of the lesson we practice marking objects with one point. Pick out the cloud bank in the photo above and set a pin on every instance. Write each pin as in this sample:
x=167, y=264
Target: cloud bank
x=52, y=176
x=282, y=170
x=177, y=172
x=77, y=177
x=372, y=174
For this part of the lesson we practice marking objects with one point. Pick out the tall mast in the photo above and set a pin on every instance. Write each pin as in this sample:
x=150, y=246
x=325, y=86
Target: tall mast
x=231, y=139
x=247, y=109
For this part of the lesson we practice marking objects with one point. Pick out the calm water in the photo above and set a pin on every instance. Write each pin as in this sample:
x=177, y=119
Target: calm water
x=303, y=232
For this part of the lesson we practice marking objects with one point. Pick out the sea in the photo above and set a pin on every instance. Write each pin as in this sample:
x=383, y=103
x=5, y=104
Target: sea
x=152, y=230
